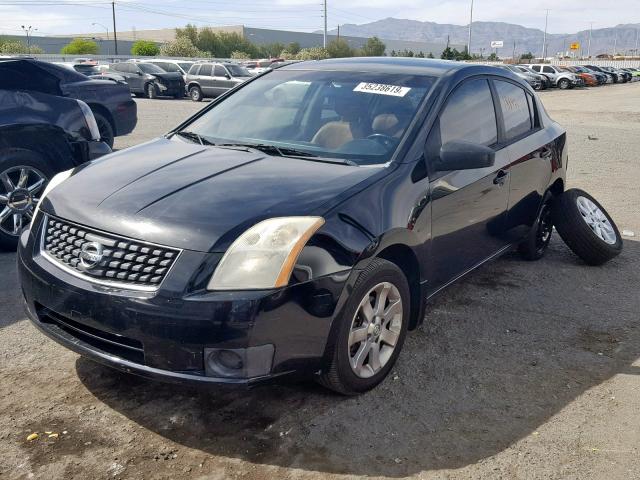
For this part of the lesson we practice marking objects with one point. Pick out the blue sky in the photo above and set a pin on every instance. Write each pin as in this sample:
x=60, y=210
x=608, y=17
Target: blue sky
x=77, y=16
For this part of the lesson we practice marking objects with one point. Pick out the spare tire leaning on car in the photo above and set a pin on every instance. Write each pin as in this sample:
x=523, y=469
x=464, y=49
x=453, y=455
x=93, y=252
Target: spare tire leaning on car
x=586, y=227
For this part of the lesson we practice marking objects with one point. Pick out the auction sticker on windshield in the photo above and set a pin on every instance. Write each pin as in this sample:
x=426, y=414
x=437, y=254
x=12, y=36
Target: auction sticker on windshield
x=382, y=89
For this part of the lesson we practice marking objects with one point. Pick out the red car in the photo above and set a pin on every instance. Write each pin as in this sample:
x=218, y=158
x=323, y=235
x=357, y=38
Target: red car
x=589, y=80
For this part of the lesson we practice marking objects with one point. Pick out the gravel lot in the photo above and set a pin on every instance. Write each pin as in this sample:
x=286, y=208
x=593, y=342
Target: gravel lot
x=522, y=370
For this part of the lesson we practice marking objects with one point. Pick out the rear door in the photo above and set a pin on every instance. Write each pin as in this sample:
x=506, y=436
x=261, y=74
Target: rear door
x=468, y=206
x=205, y=79
x=531, y=153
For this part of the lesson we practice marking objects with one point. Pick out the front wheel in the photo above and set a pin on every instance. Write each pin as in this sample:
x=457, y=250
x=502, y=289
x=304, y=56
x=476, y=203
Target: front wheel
x=563, y=84
x=23, y=177
x=370, y=330
x=586, y=227
x=150, y=91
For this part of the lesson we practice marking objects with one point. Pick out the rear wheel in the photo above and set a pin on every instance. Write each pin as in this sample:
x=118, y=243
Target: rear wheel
x=535, y=245
x=23, y=177
x=370, y=330
x=586, y=227
x=105, y=128
x=195, y=93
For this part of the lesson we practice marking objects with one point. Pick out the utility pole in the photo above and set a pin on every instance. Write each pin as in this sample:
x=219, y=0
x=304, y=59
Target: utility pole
x=637, y=30
x=470, y=23
x=115, y=35
x=589, y=42
x=514, y=51
x=27, y=31
x=615, y=42
x=544, y=41
x=338, y=32
x=324, y=38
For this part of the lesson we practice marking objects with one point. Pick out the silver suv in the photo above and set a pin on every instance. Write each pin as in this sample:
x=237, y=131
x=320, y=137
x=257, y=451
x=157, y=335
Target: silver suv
x=210, y=79
x=558, y=78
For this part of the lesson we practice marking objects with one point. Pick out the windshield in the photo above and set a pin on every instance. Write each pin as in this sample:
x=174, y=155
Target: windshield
x=355, y=116
x=238, y=70
x=185, y=65
x=150, y=68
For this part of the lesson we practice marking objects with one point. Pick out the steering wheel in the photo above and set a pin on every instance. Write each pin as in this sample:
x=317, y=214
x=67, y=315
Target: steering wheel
x=385, y=140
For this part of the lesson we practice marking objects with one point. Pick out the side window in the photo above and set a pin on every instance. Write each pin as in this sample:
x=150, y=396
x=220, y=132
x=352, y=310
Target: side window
x=469, y=115
x=515, y=109
x=548, y=69
x=219, y=71
x=205, y=70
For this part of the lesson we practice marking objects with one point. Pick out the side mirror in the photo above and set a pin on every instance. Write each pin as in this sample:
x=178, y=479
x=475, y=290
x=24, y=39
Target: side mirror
x=139, y=72
x=459, y=155
x=227, y=76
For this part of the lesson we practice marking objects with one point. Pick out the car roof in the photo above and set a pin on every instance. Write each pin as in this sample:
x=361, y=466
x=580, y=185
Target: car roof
x=406, y=65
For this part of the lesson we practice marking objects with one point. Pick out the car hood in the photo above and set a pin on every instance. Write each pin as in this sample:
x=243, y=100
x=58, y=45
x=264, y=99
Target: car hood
x=168, y=76
x=196, y=197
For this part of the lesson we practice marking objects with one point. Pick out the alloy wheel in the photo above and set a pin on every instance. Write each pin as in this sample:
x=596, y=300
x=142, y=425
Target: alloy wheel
x=597, y=220
x=375, y=330
x=19, y=188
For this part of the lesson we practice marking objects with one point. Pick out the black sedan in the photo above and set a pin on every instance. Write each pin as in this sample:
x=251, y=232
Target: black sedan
x=147, y=79
x=304, y=242
x=111, y=103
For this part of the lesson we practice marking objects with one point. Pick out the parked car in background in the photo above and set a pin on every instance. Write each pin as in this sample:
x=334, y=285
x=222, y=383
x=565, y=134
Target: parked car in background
x=256, y=67
x=149, y=80
x=611, y=77
x=168, y=65
x=544, y=80
x=92, y=71
x=600, y=77
x=111, y=103
x=623, y=76
x=259, y=240
x=41, y=134
x=210, y=79
x=589, y=79
x=532, y=79
x=635, y=73
x=558, y=77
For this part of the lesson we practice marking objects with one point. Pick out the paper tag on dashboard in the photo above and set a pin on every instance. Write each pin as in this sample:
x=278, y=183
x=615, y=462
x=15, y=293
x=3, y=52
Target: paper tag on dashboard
x=382, y=89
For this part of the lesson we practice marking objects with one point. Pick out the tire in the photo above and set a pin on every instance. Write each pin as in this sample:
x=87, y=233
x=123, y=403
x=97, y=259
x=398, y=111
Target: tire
x=150, y=91
x=573, y=223
x=563, y=83
x=195, y=93
x=12, y=162
x=536, y=244
x=339, y=375
x=106, y=130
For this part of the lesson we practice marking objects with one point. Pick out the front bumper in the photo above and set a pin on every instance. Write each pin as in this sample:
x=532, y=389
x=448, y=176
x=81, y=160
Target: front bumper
x=164, y=334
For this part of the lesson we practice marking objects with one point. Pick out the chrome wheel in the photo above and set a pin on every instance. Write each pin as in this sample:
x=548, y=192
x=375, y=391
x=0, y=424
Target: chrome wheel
x=19, y=188
x=375, y=330
x=597, y=220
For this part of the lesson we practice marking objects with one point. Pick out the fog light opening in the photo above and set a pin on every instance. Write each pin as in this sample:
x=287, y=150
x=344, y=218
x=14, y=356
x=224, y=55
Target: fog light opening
x=238, y=363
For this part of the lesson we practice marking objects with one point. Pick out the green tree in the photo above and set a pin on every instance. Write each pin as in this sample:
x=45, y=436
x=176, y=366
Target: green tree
x=373, y=48
x=339, y=48
x=181, y=47
x=314, y=53
x=270, y=50
x=430, y=55
x=145, y=48
x=17, y=47
x=527, y=56
x=80, y=46
x=420, y=54
x=449, y=54
x=189, y=31
x=292, y=48
x=238, y=55
x=493, y=57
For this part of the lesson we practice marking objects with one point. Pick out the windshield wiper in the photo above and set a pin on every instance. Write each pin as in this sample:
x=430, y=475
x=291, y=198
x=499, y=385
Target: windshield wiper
x=193, y=136
x=287, y=152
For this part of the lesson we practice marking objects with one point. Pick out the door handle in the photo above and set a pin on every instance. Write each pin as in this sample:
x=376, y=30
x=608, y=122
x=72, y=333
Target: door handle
x=500, y=177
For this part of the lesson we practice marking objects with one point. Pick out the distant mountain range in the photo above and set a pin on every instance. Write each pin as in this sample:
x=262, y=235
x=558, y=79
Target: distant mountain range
x=525, y=39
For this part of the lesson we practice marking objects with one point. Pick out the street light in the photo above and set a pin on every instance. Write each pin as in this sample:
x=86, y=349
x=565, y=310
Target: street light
x=27, y=31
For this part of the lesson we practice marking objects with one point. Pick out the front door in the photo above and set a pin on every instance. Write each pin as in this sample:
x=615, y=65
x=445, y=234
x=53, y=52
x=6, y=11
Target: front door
x=468, y=207
x=221, y=79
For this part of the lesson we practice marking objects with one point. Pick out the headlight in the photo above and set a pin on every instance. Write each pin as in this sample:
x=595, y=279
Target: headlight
x=264, y=256
x=90, y=120
x=53, y=183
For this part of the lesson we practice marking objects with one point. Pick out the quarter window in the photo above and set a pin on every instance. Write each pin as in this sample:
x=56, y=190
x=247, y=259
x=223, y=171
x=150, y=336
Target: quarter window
x=515, y=109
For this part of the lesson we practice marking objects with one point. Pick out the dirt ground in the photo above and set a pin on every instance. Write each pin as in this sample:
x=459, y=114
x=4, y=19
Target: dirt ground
x=521, y=371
